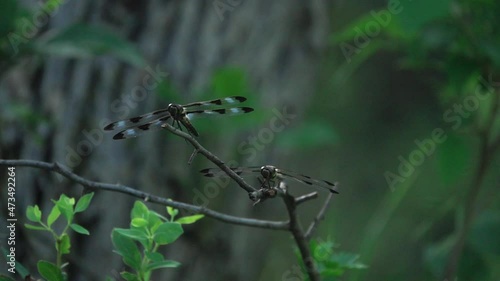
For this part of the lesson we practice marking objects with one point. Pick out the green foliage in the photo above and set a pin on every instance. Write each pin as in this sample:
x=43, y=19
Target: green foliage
x=148, y=231
x=472, y=265
x=20, y=37
x=331, y=265
x=65, y=206
x=50, y=271
x=83, y=41
x=457, y=41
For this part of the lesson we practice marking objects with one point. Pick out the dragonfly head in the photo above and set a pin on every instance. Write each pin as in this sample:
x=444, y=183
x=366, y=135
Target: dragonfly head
x=175, y=110
x=268, y=172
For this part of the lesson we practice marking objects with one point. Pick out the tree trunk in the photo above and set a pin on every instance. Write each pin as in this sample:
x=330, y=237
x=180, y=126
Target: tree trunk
x=278, y=44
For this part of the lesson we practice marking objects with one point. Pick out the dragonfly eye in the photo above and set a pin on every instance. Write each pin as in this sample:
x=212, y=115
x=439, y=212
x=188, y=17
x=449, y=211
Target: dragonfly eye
x=266, y=172
x=174, y=110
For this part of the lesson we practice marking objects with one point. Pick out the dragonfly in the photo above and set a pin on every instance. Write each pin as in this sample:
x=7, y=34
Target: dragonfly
x=272, y=175
x=178, y=115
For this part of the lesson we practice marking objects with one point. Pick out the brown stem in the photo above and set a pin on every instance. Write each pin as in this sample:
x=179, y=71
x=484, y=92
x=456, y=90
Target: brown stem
x=298, y=235
x=93, y=185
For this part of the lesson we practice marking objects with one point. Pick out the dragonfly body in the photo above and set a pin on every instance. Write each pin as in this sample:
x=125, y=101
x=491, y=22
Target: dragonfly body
x=271, y=175
x=177, y=114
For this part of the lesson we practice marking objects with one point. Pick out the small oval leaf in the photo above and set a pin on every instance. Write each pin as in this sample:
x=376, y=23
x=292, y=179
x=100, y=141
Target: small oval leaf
x=80, y=229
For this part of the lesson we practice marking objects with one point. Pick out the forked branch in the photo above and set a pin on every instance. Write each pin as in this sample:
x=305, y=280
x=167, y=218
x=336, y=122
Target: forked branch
x=93, y=185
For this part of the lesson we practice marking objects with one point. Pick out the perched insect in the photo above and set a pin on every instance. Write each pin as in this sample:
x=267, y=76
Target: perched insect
x=179, y=114
x=271, y=175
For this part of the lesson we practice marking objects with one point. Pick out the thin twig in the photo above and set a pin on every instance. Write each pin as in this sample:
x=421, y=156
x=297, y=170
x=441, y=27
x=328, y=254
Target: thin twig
x=306, y=197
x=193, y=155
x=298, y=234
x=319, y=217
x=93, y=185
x=210, y=157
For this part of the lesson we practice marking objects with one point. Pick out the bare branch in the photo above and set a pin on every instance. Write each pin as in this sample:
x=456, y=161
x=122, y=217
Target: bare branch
x=318, y=218
x=306, y=197
x=93, y=185
x=298, y=234
x=211, y=157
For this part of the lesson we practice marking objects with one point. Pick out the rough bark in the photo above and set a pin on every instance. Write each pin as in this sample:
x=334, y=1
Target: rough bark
x=277, y=43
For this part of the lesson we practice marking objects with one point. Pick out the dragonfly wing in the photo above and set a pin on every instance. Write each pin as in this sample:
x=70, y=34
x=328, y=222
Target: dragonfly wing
x=309, y=181
x=216, y=102
x=194, y=114
x=134, y=121
x=139, y=130
x=216, y=172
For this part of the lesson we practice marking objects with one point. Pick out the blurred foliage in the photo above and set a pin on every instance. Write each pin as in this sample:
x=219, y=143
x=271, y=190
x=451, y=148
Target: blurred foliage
x=330, y=263
x=21, y=36
x=460, y=42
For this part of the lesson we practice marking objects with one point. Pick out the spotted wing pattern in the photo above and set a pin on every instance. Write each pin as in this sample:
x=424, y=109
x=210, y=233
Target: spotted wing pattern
x=240, y=171
x=280, y=173
x=153, y=121
x=307, y=180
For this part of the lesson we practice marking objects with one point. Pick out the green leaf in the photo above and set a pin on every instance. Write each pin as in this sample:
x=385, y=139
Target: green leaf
x=129, y=276
x=172, y=212
x=49, y=271
x=126, y=248
x=34, y=227
x=34, y=214
x=154, y=220
x=139, y=222
x=167, y=233
x=84, y=41
x=65, y=205
x=485, y=233
x=64, y=244
x=140, y=210
x=135, y=234
x=453, y=158
x=155, y=256
x=84, y=202
x=162, y=264
x=80, y=229
x=53, y=216
x=189, y=219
